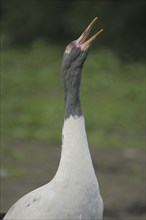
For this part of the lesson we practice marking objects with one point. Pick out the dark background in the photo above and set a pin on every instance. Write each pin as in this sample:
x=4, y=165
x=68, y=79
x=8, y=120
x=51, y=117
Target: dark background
x=124, y=24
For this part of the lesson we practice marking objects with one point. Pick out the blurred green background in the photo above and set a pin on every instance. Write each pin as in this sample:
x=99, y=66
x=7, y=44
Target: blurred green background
x=34, y=34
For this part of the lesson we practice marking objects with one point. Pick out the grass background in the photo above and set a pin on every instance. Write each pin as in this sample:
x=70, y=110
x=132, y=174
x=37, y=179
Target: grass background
x=32, y=107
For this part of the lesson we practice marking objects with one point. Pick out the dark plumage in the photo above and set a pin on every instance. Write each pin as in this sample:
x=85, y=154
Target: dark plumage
x=2, y=214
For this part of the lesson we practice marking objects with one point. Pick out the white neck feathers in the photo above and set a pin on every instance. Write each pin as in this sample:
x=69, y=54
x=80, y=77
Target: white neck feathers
x=75, y=156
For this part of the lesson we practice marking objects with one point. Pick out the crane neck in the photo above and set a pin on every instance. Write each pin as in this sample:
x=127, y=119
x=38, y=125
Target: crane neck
x=72, y=94
x=72, y=104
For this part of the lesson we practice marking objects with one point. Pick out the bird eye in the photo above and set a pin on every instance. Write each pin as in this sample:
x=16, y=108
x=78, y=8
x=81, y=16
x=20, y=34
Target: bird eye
x=68, y=49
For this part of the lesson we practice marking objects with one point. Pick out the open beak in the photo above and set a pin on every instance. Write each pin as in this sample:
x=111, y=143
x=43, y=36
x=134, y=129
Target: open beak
x=81, y=41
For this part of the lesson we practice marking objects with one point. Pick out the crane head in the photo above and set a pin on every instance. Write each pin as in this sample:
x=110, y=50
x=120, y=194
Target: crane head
x=76, y=51
x=74, y=56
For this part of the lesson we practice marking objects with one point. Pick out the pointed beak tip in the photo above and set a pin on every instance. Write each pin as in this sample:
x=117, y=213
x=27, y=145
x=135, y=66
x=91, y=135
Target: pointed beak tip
x=81, y=41
x=90, y=41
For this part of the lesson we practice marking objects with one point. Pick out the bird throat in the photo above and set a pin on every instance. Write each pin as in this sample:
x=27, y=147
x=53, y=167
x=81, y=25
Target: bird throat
x=72, y=105
x=72, y=95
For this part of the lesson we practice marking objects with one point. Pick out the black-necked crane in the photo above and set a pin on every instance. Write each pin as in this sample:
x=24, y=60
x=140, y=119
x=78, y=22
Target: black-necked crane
x=74, y=192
